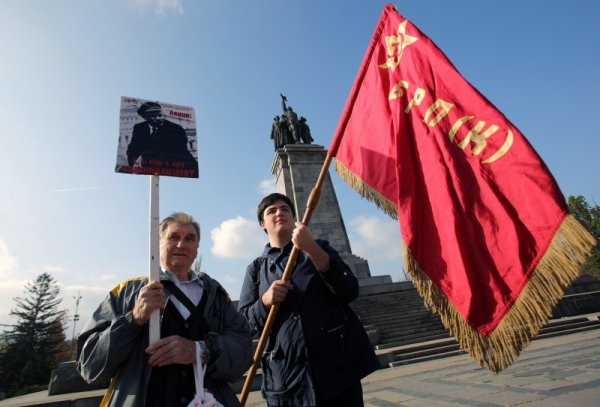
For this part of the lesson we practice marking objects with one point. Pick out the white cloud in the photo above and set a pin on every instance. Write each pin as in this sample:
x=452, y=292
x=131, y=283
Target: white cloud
x=8, y=262
x=237, y=238
x=376, y=237
x=378, y=240
x=53, y=270
x=10, y=286
x=267, y=186
x=161, y=7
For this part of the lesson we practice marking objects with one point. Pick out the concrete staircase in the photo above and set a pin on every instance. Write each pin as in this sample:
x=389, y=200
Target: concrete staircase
x=400, y=318
x=441, y=348
x=404, y=331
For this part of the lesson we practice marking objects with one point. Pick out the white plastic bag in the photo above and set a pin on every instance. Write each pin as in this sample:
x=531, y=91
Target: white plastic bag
x=203, y=397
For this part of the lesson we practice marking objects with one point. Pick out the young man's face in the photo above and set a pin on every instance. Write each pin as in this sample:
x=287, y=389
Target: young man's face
x=278, y=219
x=178, y=247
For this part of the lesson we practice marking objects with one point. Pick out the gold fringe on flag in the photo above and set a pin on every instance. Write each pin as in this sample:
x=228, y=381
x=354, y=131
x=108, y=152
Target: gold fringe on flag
x=560, y=265
x=558, y=268
x=366, y=191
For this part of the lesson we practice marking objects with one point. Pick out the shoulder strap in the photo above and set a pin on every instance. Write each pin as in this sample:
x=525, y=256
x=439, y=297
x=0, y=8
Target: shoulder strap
x=173, y=289
x=257, y=263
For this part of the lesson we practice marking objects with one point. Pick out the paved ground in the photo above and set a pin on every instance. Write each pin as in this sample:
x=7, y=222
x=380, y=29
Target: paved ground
x=556, y=372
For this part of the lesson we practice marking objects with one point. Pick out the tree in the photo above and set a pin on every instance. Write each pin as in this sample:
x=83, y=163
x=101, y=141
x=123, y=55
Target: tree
x=35, y=341
x=589, y=217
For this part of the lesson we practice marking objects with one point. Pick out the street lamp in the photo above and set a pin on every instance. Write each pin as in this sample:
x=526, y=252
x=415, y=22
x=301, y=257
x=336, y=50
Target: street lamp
x=75, y=319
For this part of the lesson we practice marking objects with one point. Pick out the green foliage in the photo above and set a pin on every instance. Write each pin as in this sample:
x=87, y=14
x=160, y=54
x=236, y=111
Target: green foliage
x=589, y=217
x=35, y=341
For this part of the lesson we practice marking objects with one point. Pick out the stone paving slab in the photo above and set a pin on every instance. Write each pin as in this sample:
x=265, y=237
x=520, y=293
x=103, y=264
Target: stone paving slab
x=560, y=371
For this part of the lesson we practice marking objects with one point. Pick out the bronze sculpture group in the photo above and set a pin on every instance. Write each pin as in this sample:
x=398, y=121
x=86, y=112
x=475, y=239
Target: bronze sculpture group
x=288, y=128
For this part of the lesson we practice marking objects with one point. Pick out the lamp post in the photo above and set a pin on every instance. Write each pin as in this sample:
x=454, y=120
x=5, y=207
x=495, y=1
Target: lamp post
x=75, y=319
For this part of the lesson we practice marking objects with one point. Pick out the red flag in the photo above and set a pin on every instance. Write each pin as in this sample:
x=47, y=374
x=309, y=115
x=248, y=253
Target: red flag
x=489, y=241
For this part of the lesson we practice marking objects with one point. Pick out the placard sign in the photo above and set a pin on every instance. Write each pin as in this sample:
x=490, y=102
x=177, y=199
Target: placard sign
x=157, y=138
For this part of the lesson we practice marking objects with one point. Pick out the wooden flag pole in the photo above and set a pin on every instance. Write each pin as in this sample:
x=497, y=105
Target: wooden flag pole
x=313, y=200
x=154, y=272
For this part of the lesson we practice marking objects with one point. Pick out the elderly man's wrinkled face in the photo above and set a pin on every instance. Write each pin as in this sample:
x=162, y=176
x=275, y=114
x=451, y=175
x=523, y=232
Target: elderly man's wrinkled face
x=154, y=117
x=178, y=249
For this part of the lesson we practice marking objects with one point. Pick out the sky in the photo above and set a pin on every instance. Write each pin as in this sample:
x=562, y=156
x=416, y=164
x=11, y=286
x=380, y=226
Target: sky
x=66, y=63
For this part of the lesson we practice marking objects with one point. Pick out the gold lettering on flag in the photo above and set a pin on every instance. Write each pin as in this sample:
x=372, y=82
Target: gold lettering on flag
x=397, y=93
x=416, y=100
x=503, y=150
x=479, y=139
x=444, y=108
x=475, y=136
x=395, y=45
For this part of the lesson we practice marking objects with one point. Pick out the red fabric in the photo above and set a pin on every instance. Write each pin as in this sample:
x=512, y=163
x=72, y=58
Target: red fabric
x=476, y=228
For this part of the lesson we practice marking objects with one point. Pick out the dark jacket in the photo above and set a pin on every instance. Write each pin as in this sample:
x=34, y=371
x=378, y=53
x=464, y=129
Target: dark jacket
x=317, y=346
x=111, y=345
x=168, y=145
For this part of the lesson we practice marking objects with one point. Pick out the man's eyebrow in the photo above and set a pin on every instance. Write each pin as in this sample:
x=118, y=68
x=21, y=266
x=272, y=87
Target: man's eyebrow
x=278, y=207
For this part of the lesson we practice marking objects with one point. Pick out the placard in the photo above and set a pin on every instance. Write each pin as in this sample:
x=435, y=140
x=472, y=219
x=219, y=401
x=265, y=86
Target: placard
x=157, y=138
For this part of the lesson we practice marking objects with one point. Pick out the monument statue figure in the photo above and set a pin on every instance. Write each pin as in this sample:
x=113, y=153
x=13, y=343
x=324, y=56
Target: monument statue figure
x=304, y=131
x=283, y=100
x=288, y=129
x=284, y=128
x=276, y=133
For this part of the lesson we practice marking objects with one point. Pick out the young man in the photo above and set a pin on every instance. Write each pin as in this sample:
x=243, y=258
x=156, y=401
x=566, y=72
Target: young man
x=195, y=311
x=318, y=350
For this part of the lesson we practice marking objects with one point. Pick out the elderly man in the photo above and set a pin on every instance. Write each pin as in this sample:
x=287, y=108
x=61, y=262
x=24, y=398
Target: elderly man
x=159, y=142
x=195, y=309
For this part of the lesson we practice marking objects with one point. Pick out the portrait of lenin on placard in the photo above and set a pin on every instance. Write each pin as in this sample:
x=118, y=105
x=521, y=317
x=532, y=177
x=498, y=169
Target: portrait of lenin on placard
x=158, y=142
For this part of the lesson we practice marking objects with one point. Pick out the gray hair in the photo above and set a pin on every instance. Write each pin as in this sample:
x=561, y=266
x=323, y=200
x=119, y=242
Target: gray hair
x=180, y=218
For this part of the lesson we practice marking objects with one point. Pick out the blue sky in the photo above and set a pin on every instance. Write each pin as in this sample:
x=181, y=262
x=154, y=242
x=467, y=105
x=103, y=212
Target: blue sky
x=66, y=63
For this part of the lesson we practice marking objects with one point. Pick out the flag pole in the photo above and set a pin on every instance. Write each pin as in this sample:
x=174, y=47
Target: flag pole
x=154, y=272
x=313, y=200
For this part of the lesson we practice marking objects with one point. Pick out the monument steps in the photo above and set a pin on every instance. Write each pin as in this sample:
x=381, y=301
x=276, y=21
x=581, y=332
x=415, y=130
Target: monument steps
x=412, y=340
x=572, y=325
x=400, y=318
x=394, y=356
x=400, y=338
x=448, y=350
